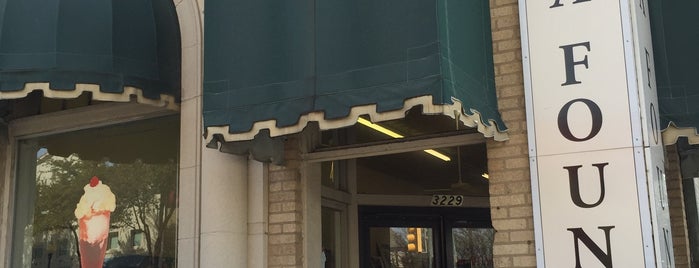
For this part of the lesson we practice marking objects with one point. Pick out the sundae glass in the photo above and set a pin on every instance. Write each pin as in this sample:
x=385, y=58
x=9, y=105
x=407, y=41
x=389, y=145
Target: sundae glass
x=93, y=212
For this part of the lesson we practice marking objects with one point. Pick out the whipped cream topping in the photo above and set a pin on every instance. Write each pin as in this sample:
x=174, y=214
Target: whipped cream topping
x=98, y=198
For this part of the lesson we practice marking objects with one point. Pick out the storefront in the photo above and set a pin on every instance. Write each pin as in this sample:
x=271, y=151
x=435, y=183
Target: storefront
x=374, y=117
x=308, y=134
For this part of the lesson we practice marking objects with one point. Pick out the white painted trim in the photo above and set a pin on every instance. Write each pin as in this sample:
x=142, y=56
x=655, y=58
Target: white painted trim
x=531, y=137
x=257, y=214
x=224, y=213
x=190, y=16
x=7, y=210
x=472, y=120
x=342, y=237
x=312, y=218
x=352, y=215
x=335, y=195
x=637, y=133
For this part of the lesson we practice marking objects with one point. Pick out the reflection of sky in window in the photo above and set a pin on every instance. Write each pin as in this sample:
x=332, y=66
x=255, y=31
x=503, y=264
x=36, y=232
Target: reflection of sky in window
x=41, y=152
x=137, y=238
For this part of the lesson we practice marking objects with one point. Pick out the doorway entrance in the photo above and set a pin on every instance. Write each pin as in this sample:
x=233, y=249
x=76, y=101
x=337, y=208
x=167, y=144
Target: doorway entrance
x=416, y=199
x=425, y=237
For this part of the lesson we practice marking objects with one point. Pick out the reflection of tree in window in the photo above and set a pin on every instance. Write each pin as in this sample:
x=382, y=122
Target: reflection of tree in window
x=473, y=246
x=146, y=201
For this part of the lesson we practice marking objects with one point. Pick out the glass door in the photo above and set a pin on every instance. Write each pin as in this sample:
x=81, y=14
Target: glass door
x=425, y=237
x=471, y=247
x=393, y=237
x=402, y=247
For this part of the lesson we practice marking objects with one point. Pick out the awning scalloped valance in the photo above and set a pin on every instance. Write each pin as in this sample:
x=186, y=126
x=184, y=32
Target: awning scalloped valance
x=113, y=49
x=280, y=65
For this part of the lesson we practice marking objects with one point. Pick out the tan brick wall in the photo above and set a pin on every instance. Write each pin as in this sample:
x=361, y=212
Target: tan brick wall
x=508, y=162
x=285, y=210
x=678, y=220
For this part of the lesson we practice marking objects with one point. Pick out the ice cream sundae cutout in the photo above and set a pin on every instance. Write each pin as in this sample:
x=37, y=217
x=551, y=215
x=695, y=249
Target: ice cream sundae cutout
x=93, y=212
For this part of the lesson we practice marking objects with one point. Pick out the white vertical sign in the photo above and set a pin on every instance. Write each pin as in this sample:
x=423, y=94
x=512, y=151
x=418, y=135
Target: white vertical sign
x=593, y=133
x=652, y=143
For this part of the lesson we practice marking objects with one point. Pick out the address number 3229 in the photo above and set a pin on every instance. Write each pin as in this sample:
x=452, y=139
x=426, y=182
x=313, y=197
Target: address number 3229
x=446, y=200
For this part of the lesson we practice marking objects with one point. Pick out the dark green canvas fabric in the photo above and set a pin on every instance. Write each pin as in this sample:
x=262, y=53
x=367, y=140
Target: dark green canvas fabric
x=676, y=55
x=279, y=60
x=110, y=43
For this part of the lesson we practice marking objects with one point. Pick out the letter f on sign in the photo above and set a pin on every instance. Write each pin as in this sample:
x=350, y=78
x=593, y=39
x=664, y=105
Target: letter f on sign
x=570, y=62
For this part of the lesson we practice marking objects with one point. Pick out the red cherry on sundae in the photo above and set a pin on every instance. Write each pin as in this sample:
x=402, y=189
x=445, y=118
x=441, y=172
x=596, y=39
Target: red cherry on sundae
x=94, y=181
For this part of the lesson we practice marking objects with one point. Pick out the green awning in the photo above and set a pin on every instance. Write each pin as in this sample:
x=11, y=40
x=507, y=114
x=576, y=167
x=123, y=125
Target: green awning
x=112, y=49
x=277, y=65
x=676, y=53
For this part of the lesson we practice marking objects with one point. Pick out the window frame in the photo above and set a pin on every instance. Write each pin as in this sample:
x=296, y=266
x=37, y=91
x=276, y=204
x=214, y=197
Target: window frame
x=104, y=114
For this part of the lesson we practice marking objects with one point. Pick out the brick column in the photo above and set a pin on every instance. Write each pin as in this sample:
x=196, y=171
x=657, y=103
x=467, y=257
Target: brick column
x=678, y=220
x=508, y=162
x=285, y=210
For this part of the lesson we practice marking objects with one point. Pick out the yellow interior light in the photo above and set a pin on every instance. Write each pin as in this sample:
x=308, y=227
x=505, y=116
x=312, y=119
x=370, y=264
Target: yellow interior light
x=485, y=175
x=379, y=128
x=395, y=135
x=438, y=155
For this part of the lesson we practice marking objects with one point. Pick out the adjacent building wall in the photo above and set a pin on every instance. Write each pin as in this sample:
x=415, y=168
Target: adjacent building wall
x=508, y=162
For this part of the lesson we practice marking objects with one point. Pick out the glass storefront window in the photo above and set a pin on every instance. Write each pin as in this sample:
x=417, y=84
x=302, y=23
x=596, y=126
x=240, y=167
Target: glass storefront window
x=330, y=174
x=99, y=197
x=331, y=237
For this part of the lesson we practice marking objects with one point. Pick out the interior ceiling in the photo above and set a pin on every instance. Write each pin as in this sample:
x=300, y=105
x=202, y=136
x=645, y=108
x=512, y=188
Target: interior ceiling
x=414, y=124
x=429, y=174
x=418, y=168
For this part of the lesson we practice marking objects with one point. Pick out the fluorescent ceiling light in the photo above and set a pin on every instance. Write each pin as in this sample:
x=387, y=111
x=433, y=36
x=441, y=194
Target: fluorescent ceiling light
x=381, y=129
x=396, y=135
x=437, y=154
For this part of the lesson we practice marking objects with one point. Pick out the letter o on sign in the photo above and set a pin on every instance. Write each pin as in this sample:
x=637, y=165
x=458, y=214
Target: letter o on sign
x=595, y=112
